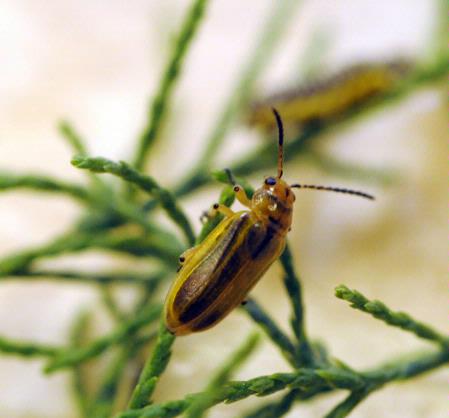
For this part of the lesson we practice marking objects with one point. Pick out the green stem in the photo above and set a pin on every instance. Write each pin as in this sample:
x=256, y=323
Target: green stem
x=146, y=183
x=114, y=310
x=275, y=409
x=261, y=318
x=407, y=367
x=396, y=319
x=72, y=356
x=103, y=404
x=308, y=383
x=68, y=132
x=170, y=76
x=198, y=407
x=303, y=379
x=77, y=339
x=292, y=283
x=149, y=279
x=153, y=368
x=40, y=183
x=344, y=408
x=75, y=241
x=27, y=349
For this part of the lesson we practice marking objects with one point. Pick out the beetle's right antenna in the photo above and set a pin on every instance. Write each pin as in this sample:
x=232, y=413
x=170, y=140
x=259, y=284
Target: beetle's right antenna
x=280, y=142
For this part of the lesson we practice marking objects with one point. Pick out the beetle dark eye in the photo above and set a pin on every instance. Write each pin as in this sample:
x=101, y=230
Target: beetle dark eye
x=270, y=181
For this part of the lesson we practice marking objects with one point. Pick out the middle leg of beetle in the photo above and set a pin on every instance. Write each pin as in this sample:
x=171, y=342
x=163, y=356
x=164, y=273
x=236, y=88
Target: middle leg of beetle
x=223, y=209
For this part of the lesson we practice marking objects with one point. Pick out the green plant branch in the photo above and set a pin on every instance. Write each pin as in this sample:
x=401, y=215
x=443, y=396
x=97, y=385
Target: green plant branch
x=303, y=379
x=292, y=283
x=138, y=246
x=27, y=349
x=124, y=210
x=77, y=339
x=308, y=383
x=396, y=319
x=119, y=213
x=275, y=409
x=69, y=357
x=407, y=367
x=69, y=133
x=345, y=407
x=102, y=406
x=153, y=368
x=114, y=310
x=261, y=318
x=152, y=279
x=74, y=241
x=77, y=143
x=169, y=77
x=146, y=183
x=37, y=182
x=201, y=403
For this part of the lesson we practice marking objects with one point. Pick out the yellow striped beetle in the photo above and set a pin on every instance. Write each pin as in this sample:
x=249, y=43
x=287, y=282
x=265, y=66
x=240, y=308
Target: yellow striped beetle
x=215, y=276
x=331, y=97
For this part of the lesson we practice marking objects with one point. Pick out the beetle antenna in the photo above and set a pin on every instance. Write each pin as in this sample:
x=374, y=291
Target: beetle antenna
x=280, y=141
x=334, y=189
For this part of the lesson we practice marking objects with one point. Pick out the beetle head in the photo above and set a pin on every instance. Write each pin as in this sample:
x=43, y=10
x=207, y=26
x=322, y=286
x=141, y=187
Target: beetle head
x=274, y=202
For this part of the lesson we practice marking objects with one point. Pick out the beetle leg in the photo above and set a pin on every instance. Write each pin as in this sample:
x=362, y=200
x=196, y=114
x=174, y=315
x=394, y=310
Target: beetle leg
x=205, y=216
x=184, y=256
x=241, y=196
x=223, y=209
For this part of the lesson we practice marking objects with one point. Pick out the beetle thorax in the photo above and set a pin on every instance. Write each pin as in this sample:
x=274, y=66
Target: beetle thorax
x=273, y=204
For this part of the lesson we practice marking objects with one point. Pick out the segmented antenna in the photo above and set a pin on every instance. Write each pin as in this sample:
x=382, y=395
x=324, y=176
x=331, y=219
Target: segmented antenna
x=280, y=142
x=334, y=189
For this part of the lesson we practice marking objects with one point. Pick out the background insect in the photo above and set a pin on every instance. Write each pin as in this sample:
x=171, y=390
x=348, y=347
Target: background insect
x=331, y=97
x=215, y=276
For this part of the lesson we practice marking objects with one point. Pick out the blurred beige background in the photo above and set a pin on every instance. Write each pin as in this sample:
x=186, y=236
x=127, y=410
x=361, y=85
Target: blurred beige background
x=98, y=62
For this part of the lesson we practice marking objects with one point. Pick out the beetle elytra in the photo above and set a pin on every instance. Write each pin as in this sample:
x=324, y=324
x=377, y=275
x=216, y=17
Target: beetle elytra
x=215, y=276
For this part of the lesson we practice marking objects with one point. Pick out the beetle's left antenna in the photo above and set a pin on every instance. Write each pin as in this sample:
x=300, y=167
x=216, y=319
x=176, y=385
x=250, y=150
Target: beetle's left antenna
x=333, y=189
x=280, y=142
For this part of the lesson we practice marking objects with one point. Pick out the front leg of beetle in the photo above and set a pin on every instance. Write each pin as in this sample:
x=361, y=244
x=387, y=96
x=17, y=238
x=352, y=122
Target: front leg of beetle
x=241, y=196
